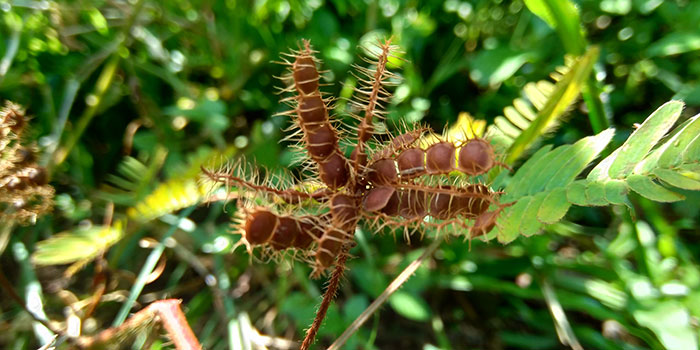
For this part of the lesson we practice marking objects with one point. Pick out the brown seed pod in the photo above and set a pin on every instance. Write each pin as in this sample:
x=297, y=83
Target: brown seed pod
x=305, y=74
x=344, y=216
x=309, y=232
x=344, y=211
x=412, y=204
x=259, y=226
x=312, y=110
x=399, y=143
x=285, y=233
x=334, y=171
x=378, y=198
x=383, y=172
x=329, y=247
x=469, y=202
x=476, y=157
x=440, y=158
x=484, y=223
x=411, y=163
x=321, y=141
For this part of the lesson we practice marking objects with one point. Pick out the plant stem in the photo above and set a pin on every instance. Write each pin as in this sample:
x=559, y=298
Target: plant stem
x=333, y=285
x=377, y=303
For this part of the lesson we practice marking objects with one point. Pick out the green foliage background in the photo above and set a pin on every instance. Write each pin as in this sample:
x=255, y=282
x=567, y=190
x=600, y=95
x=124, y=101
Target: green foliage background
x=129, y=98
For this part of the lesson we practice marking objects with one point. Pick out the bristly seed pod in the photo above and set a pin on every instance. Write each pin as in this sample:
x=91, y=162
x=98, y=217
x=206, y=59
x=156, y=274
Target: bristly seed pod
x=305, y=75
x=262, y=226
x=440, y=158
x=476, y=157
x=383, y=172
x=344, y=217
x=259, y=226
x=411, y=163
x=334, y=171
x=320, y=137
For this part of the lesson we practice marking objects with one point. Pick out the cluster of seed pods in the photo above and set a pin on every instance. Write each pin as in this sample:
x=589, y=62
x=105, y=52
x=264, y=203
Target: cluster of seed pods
x=320, y=138
x=474, y=157
x=383, y=184
x=261, y=226
x=24, y=189
x=393, y=191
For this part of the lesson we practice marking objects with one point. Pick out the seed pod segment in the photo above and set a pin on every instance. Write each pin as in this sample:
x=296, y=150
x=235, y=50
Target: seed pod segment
x=476, y=157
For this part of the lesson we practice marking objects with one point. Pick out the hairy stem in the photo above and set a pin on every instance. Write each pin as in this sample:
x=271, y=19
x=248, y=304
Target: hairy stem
x=333, y=285
x=366, y=124
x=377, y=303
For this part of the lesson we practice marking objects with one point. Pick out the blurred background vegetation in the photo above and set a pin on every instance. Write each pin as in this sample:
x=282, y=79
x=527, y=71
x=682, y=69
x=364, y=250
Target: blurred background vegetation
x=129, y=98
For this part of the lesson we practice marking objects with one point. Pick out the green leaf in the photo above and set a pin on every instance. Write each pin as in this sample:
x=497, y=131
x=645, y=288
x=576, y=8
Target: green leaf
x=595, y=194
x=547, y=167
x=676, y=179
x=508, y=223
x=692, y=152
x=82, y=244
x=410, y=306
x=576, y=193
x=554, y=206
x=565, y=92
x=616, y=192
x=563, y=16
x=580, y=155
x=670, y=153
x=677, y=146
x=670, y=321
x=644, y=138
x=674, y=44
x=529, y=225
x=649, y=189
x=515, y=187
x=494, y=66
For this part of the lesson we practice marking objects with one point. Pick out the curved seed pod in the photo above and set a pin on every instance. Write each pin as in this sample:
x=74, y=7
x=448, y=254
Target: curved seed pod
x=321, y=141
x=484, y=223
x=344, y=211
x=259, y=226
x=411, y=163
x=399, y=143
x=440, y=158
x=312, y=109
x=476, y=157
x=305, y=74
x=329, y=247
x=309, y=232
x=344, y=217
x=334, y=171
x=377, y=198
x=319, y=135
x=470, y=202
x=383, y=172
x=285, y=233
x=412, y=204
